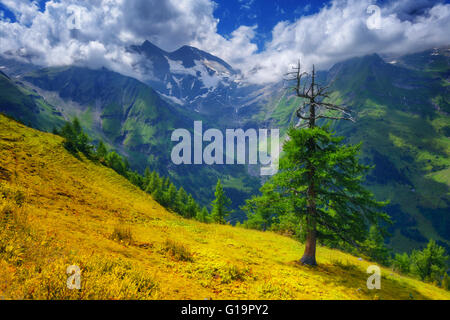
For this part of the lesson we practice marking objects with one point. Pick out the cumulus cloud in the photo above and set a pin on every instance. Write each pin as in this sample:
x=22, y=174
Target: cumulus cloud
x=340, y=31
x=96, y=33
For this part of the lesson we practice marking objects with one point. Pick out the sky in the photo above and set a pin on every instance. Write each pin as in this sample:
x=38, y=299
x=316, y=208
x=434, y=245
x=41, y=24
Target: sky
x=259, y=37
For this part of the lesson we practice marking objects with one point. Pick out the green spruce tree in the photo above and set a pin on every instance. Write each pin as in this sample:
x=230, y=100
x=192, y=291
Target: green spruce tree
x=182, y=199
x=203, y=215
x=375, y=247
x=157, y=191
x=171, y=197
x=220, y=205
x=152, y=183
x=321, y=178
x=191, y=207
x=101, y=151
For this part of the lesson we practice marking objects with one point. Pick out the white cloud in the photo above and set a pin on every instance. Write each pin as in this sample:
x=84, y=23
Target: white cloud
x=95, y=33
x=24, y=10
x=339, y=31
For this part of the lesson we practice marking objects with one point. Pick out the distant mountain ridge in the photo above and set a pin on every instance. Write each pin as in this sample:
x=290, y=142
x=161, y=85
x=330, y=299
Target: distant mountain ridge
x=186, y=76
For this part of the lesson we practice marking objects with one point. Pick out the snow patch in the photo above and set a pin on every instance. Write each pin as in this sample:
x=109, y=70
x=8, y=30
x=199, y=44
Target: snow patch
x=210, y=73
x=172, y=99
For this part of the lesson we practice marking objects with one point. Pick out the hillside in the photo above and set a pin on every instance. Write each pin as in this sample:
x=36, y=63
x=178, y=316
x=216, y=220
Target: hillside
x=57, y=210
x=26, y=105
x=133, y=119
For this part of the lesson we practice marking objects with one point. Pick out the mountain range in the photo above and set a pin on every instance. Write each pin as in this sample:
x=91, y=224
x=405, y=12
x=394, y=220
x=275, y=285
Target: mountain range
x=401, y=105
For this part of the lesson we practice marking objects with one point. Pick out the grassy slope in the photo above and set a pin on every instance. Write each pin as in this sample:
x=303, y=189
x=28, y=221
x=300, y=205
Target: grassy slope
x=71, y=207
x=130, y=117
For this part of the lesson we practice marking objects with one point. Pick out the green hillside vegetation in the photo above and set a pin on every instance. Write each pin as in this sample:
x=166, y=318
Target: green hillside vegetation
x=27, y=106
x=162, y=189
x=133, y=120
x=58, y=210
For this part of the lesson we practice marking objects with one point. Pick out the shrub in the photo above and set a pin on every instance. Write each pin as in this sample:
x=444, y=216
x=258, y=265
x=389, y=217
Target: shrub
x=402, y=263
x=122, y=234
x=347, y=266
x=430, y=263
x=445, y=282
x=231, y=273
x=178, y=251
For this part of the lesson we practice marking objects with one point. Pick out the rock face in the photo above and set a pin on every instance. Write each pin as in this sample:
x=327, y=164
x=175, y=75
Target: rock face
x=187, y=76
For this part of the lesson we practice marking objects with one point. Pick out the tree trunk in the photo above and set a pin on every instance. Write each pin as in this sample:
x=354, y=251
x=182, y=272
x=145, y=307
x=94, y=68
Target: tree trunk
x=309, y=256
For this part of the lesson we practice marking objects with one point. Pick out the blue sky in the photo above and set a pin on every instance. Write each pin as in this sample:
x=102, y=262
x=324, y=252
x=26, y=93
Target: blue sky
x=263, y=13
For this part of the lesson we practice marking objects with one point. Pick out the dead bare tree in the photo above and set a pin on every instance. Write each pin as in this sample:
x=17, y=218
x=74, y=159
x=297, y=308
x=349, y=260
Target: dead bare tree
x=306, y=87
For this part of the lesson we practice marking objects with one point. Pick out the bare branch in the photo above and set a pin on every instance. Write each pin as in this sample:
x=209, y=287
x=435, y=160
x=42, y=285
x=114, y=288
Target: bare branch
x=331, y=106
x=336, y=118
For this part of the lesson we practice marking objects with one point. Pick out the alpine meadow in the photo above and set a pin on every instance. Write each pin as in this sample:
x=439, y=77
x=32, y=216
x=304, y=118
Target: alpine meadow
x=224, y=150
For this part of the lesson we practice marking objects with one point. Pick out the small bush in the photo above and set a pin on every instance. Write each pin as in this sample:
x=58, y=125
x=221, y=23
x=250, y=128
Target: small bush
x=402, y=263
x=231, y=273
x=13, y=194
x=445, y=282
x=122, y=234
x=178, y=251
x=345, y=266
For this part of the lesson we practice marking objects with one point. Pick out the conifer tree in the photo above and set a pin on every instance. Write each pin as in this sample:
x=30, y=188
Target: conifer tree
x=67, y=131
x=331, y=203
x=375, y=247
x=320, y=178
x=83, y=144
x=182, y=199
x=114, y=161
x=157, y=192
x=147, y=176
x=191, y=207
x=220, y=205
x=101, y=151
x=165, y=183
x=76, y=126
x=203, y=215
x=262, y=211
x=402, y=263
x=136, y=179
x=153, y=182
x=171, y=197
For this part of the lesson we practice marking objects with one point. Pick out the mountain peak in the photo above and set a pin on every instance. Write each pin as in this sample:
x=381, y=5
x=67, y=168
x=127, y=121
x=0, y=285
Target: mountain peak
x=148, y=48
x=189, y=54
x=374, y=58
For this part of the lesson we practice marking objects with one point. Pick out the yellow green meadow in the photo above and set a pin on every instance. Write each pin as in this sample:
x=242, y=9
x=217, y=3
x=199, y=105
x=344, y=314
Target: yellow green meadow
x=57, y=210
